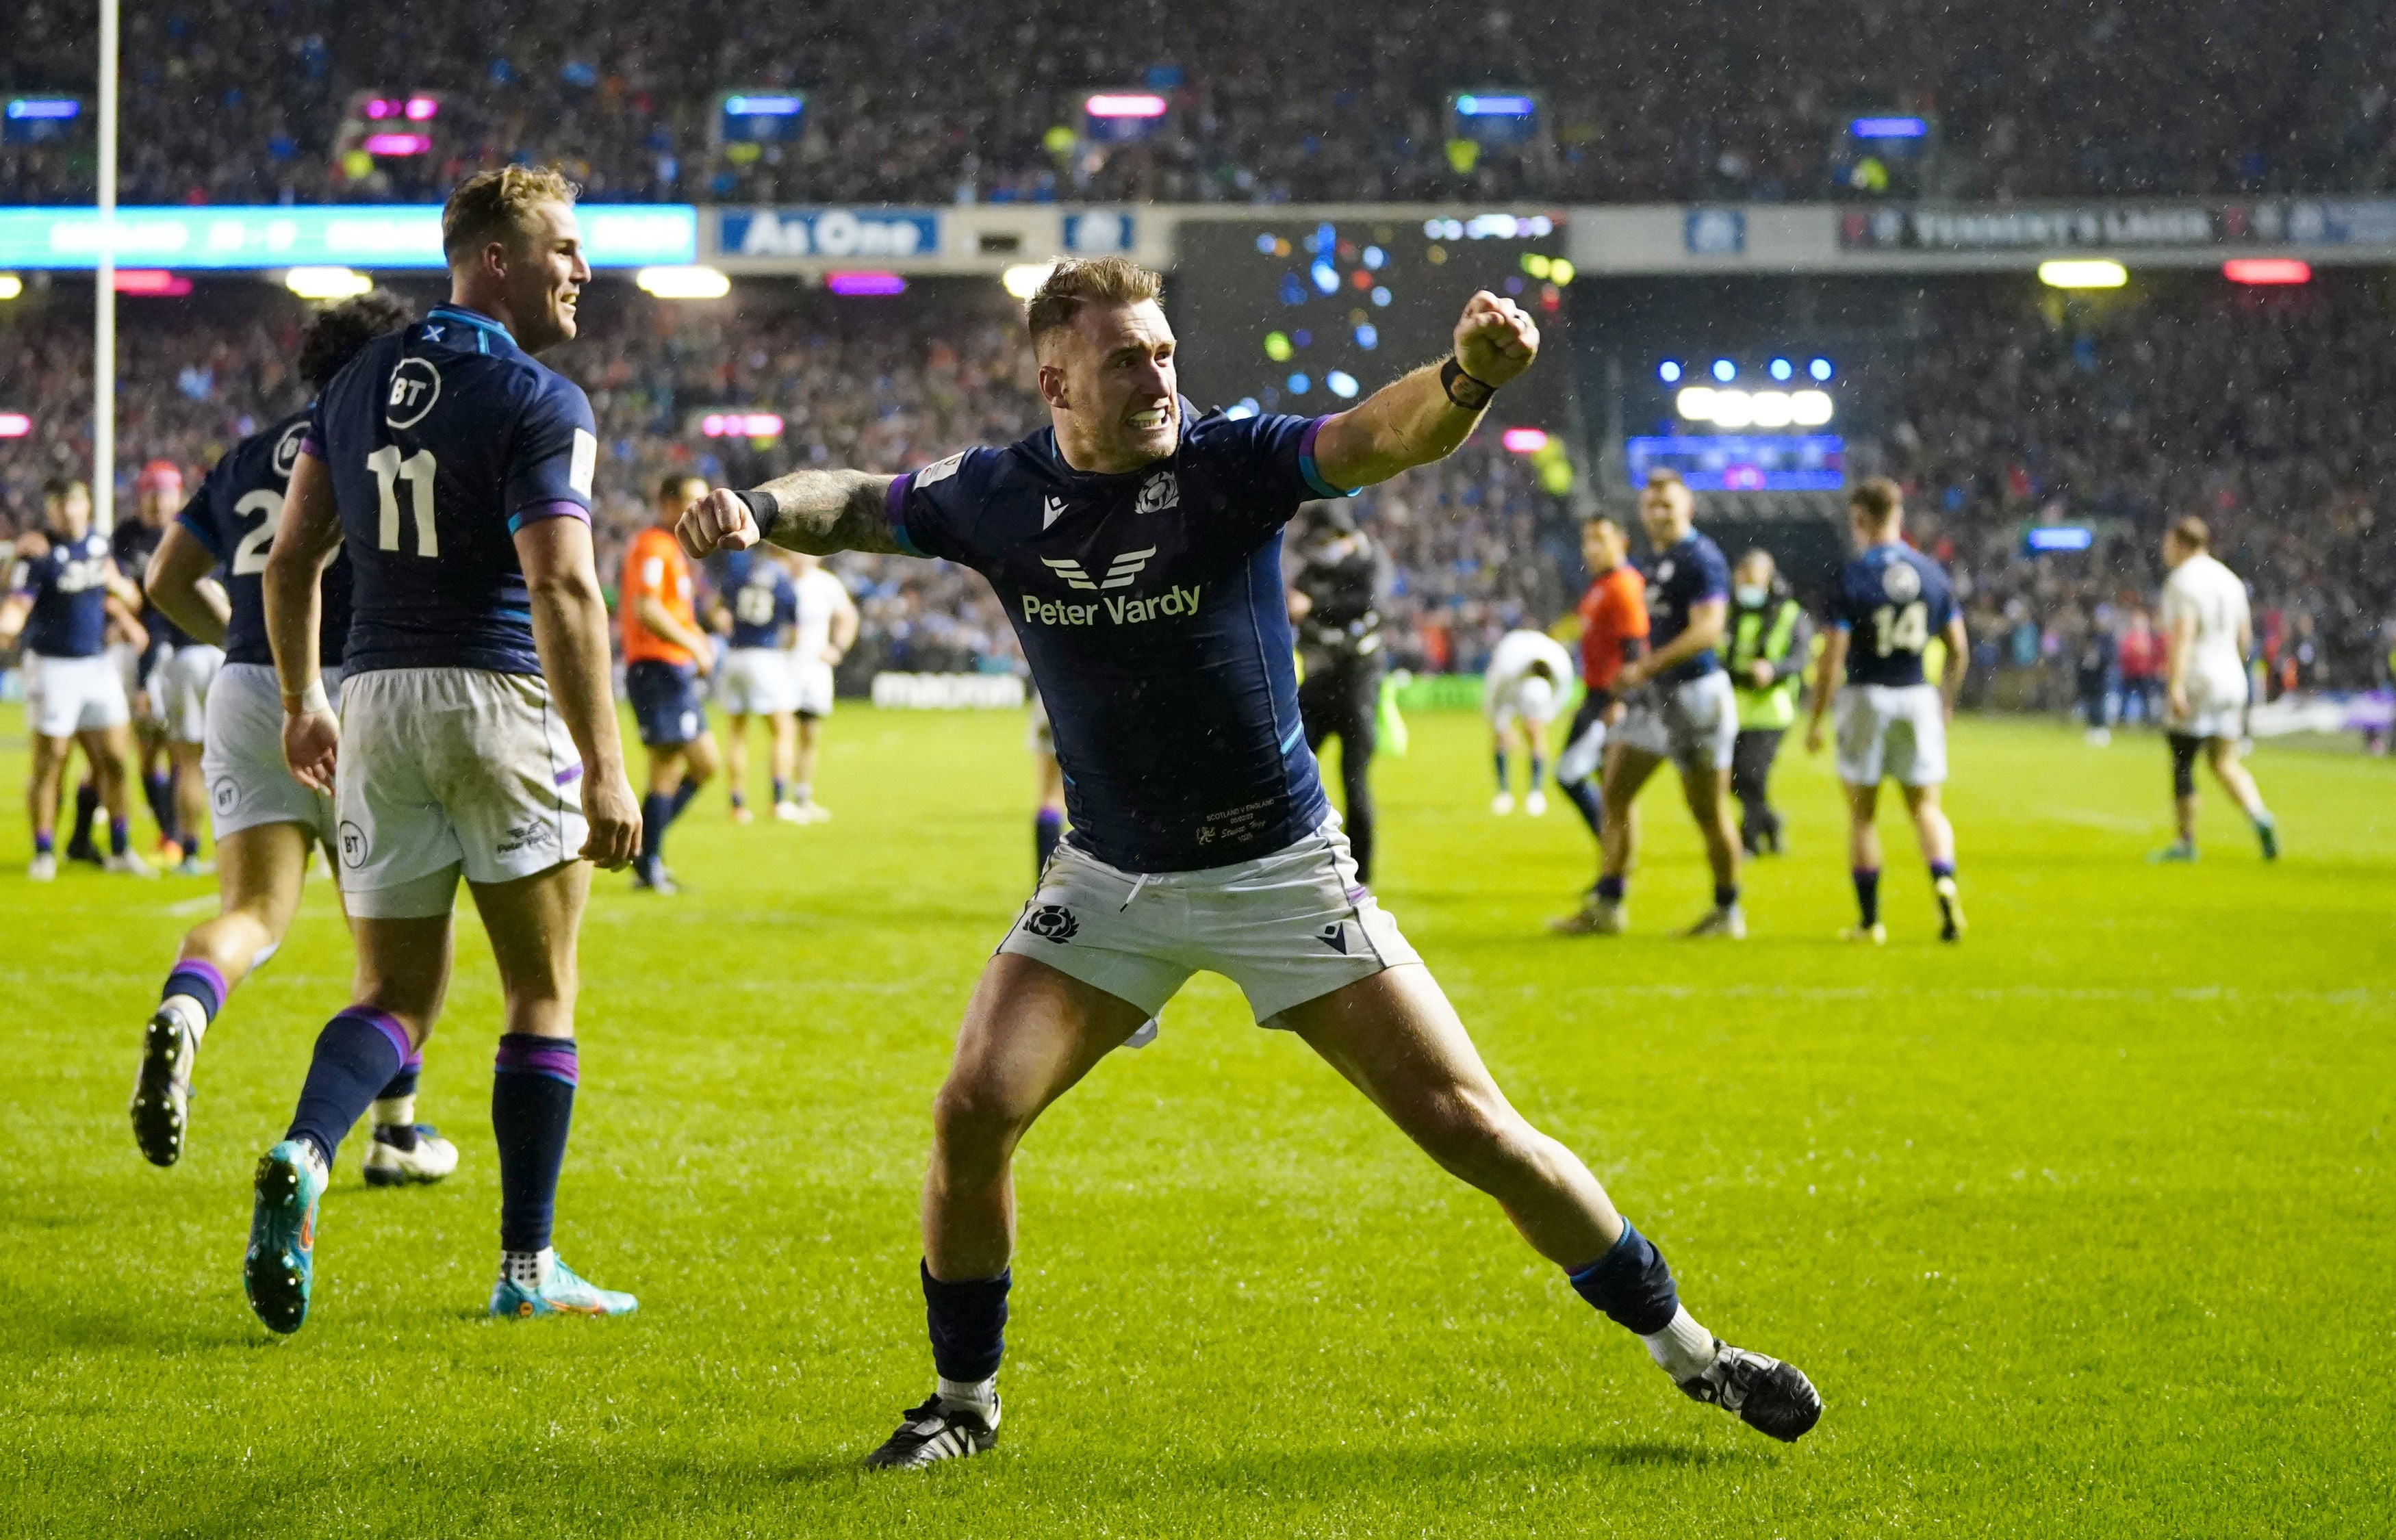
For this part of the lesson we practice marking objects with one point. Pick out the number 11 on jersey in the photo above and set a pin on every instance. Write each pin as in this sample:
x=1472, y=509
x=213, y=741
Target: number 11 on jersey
x=417, y=469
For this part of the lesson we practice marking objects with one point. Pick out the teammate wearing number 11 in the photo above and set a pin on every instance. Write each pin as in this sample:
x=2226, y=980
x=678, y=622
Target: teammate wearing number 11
x=477, y=735
x=1892, y=722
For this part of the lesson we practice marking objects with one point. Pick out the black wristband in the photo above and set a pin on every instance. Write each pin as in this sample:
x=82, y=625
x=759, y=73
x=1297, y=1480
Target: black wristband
x=1477, y=392
x=761, y=508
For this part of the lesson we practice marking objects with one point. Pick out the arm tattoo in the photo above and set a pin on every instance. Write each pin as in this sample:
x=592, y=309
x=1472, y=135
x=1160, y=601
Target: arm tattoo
x=821, y=511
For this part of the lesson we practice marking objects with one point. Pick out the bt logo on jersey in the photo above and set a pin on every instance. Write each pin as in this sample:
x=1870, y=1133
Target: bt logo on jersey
x=1173, y=604
x=415, y=386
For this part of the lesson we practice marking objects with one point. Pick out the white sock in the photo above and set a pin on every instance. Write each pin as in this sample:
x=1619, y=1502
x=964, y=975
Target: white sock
x=528, y=1270
x=970, y=1395
x=193, y=1017
x=803, y=793
x=1683, y=1348
x=395, y=1109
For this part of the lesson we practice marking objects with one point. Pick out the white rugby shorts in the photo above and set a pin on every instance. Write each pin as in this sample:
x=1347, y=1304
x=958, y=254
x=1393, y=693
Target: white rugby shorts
x=66, y=695
x=1890, y=732
x=241, y=756
x=756, y=681
x=1694, y=723
x=179, y=691
x=1286, y=928
x=1508, y=706
x=2216, y=708
x=811, y=687
x=446, y=772
x=128, y=657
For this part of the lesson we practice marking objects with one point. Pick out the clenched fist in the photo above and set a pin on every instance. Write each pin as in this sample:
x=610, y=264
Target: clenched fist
x=721, y=521
x=1496, y=340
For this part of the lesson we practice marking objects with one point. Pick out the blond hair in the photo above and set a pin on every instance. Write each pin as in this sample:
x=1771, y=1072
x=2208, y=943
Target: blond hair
x=499, y=203
x=1878, y=500
x=2190, y=532
x=1079, y=281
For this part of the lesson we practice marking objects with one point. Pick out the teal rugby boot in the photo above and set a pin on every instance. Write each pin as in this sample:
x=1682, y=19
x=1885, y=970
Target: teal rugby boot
x=281, y=1265
x=562, y=1292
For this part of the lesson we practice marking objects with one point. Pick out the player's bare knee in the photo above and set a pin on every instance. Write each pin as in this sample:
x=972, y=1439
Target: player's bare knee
x=975, y=1121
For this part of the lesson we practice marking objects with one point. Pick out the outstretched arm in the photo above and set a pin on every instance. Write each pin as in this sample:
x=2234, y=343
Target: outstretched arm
x=1418, y=419
x=817, y=512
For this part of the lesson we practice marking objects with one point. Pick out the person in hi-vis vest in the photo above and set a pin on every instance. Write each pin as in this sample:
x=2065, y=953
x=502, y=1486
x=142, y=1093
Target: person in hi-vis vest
x=1768, y=635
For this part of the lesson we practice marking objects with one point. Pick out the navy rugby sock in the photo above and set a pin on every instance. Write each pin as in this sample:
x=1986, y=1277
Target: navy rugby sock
x=160, y=790
x=1047, y=827
x=1584, y=796
x=197, y=978
x=1725, y=895
x=1868, y=895
x=1538, y=769
x=1941, y=871
x=1609, y=890
x=532, y=1107
x=656, y=811
x=86, y=803
x=395, y=1105
x=1631, y=1284
x=969, y=1324
x=357, y=1053
x=1499, y=757
x=120, y=834
x=683, y=793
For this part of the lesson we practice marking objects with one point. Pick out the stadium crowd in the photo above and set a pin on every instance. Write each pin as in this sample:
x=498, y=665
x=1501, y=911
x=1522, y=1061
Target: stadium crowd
x=2258, y=411
x=882, y=385
x=234, y=102
x=2255, y=410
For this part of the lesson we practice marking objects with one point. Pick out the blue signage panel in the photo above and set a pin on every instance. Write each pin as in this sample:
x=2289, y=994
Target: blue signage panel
x=1097, y=234
x=1714, y=232
x=364, y=235
x=1742, y=462
x=827, y=232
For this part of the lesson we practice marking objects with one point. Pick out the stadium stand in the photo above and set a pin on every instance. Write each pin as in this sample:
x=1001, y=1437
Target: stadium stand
x=2258, y=411
x=231, y=103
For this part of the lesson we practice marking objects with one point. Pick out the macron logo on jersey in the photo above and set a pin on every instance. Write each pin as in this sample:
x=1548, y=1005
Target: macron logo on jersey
x=1119, y=573
x=1051, y=509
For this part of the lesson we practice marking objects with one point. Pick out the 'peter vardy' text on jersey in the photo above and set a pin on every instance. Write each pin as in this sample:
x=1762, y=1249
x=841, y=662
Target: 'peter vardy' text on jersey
x=1150, y=605
x=1678, y=582
x=234, y=514
x=69, y=587
x=764, y=601
x=444, y=440
x=1893, y=600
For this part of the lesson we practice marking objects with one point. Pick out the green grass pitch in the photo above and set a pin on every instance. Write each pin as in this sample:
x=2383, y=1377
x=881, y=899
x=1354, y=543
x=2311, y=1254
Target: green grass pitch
x=2085, y=1228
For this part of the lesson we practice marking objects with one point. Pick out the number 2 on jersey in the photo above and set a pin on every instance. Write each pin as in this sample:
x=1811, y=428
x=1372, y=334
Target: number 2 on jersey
x=1906, y=630
x=250, y=557
x=417, y=470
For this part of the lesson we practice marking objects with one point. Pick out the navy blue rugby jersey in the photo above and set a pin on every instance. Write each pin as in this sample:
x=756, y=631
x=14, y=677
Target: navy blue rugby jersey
x=444, y=439
x=1893, y=600
x=1150, y=605
x=763, y=599
x=1679, y=580
x=69, y=587
x=234, y=514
